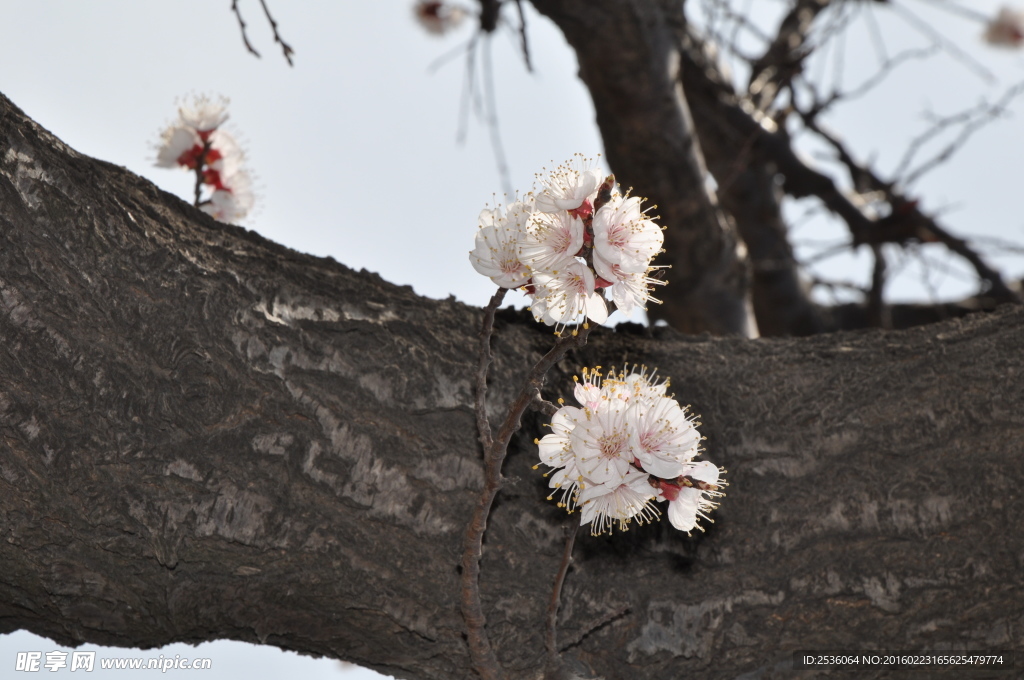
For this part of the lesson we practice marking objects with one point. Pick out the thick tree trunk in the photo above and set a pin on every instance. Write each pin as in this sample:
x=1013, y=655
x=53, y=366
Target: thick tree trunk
x=206, y=435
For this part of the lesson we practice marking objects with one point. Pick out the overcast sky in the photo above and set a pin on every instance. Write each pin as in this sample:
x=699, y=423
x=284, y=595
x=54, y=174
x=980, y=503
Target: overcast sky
x=355, y=153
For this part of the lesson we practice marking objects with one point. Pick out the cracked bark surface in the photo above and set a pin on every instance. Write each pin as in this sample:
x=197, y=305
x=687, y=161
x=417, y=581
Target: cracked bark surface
x=205, y=435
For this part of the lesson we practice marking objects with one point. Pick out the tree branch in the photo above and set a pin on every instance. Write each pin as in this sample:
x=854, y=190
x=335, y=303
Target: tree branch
x=205, y=435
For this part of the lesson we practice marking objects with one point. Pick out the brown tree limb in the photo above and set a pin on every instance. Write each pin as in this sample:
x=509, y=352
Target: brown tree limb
x=205, y=435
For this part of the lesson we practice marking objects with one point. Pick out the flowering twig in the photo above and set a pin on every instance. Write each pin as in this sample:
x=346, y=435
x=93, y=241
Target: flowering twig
x=196, y=141
x=563, y=247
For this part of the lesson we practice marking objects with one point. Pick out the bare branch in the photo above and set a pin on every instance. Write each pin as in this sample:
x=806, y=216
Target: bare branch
x=785, y=56
x=906, y=221
x=285, y=47
x=241, y=25
x=522, y=36
x=972, y=120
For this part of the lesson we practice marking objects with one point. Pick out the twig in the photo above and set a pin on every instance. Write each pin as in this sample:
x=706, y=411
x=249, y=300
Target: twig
x=953, y=8
x=969, y=62
x=485, y=662
x=483, y=426
x=876, y=301
x=556, y=591
x=925, y=226
x=543, y=405
x=285, y=47
x=492, y=120
x=241, y=25
x=522, y=37
x=972, y=119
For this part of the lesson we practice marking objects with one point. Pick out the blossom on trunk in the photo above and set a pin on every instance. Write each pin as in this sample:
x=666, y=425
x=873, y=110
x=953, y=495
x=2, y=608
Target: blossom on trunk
x=603, y=506
x=578, y=242
x=232, y=200
x=663, y=437
x=601, y=443
x=626, y=446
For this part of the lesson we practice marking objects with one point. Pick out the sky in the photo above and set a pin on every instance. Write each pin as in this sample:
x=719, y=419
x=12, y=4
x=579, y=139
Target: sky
x=356, y=153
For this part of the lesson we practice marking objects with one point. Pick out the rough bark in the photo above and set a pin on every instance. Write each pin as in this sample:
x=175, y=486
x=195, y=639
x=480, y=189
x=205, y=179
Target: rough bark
x=205, y=435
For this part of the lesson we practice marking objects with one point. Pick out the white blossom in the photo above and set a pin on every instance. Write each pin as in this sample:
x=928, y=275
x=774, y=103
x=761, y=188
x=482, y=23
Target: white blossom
x=203, y=115
x=626, y=446
x=629, y=290
x=692, y=502
x=568, y=186
x=662, y=437
x=562, y=297
x=175, y=141
x=624, y=236
x=232, y=203
x=551, y=241
x=629, y=499
x=600, y=443
x=497, y=245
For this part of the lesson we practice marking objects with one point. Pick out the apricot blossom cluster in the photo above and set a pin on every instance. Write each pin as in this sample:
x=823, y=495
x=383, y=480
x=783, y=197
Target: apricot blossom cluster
x=569, y=241
x=197, y=142
x=625, y=447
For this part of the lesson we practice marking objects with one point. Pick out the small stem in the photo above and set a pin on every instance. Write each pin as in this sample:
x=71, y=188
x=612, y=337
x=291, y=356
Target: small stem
x=483, y=426
x=200, y=164
x=556, y=591
x=199, y=184
x=241, y=25
x=285, y=47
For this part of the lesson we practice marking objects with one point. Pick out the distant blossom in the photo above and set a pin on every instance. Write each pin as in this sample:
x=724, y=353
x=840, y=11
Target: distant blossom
x=196, y=142
x=1006, y=29
x=438, y=17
